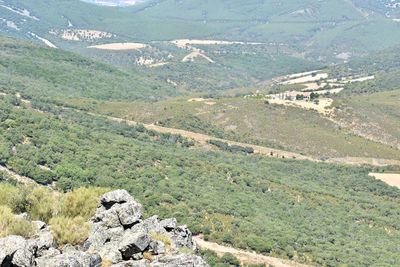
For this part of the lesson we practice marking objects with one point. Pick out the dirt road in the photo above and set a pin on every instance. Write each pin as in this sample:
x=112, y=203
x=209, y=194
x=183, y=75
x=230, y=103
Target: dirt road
x=245, y=256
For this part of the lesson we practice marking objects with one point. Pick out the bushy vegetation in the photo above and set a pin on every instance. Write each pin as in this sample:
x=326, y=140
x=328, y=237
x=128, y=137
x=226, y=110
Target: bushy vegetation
x=34, y=70
x=286, y=208
x=224, y=146
x=67, y=214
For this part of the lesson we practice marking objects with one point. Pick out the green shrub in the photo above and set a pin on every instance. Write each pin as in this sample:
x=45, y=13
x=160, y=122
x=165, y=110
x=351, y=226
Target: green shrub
x=81, y=202
x=70, y=230
x=41, y=204
x=9, y=225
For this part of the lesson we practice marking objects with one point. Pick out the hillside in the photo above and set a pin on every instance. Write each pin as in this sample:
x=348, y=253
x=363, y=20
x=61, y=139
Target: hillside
x=322, y=29
x=34, y=71
x=289, y=208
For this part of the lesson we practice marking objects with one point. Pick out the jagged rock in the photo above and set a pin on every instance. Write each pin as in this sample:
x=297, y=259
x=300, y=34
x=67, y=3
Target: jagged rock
x=134, y=241
x=44, y=240
x=169, y=224
x=110, y=252
x=51, y=252
x=131, y=263
x=39, y=225
x=101, y=235
x=116, y=196
x=17, y=251
x=153, y=224
x=179, y=260
x=157, y=247
x=24, y=216
x=71, y=259
x=119, y=236
x=68, y=248
x=182, y=237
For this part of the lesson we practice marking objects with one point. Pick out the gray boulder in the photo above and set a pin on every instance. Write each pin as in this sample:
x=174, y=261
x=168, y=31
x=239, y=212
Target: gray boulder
x=39, y=225
x=17, y=251
x=116, y=196
x=44, y=240
x=179, y=260
x=182, y=237
x=134, y=241
x=71, y=259
x=169, y=224
x=153, y=224
x=132, y=263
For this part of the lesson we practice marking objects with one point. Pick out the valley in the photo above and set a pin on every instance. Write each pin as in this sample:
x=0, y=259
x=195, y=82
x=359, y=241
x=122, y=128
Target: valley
x=271, y=129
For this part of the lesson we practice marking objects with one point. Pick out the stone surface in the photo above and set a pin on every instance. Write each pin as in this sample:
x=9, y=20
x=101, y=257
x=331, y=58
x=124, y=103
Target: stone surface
x=119, y=235
x=182, y=237
x=134, y=241
x=44, y=240
x=131, y=263
x=16, y=251
x=71, y=259
x=39, y=224
x=169, y=224
x=179, y=260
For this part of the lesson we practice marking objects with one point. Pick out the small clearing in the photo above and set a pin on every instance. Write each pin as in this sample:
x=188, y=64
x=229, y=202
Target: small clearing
x=246, y=257
x=120, y=46
x=357, y=161
x=47, y=42
x=392, y=179
x=160, y=64
x=308, y=78
x=322, y=107
x=302, y=74
x=193, y=55
x=182, y=43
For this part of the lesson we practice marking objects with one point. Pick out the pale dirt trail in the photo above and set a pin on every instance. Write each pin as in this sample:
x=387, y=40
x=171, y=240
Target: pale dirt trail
x=19, y=178
x=203, y=138
x=245, y=256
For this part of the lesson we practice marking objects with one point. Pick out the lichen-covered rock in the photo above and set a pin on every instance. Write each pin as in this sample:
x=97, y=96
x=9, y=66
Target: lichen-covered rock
x=71, y=259
x=134, y=241
x=179, y=260
x=182, y=237
x=116, y=196
x=169, y=224
x=157, y=247
x=44, y=240
x=132, y=263
x=119, y=236
x=17, y=251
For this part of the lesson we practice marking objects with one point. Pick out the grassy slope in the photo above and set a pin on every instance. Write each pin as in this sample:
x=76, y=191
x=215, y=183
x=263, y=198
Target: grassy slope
x=34, y=70
x=251, y=120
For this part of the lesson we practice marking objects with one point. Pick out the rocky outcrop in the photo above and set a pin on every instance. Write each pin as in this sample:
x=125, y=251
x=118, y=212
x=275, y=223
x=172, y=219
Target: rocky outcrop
x=120, y=237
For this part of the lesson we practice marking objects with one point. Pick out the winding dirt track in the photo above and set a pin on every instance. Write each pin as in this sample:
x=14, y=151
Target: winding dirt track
x=203, y=138
x=245, y=256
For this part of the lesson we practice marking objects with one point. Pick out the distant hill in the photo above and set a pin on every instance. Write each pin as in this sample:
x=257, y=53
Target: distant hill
x=321, y=29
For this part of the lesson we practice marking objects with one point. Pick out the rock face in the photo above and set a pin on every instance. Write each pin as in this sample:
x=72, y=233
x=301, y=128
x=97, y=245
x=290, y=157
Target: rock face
x=120, y=237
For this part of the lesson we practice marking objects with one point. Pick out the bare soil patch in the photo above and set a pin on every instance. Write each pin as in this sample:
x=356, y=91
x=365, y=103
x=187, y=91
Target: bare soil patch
x=119, y=46
x=392, y=179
